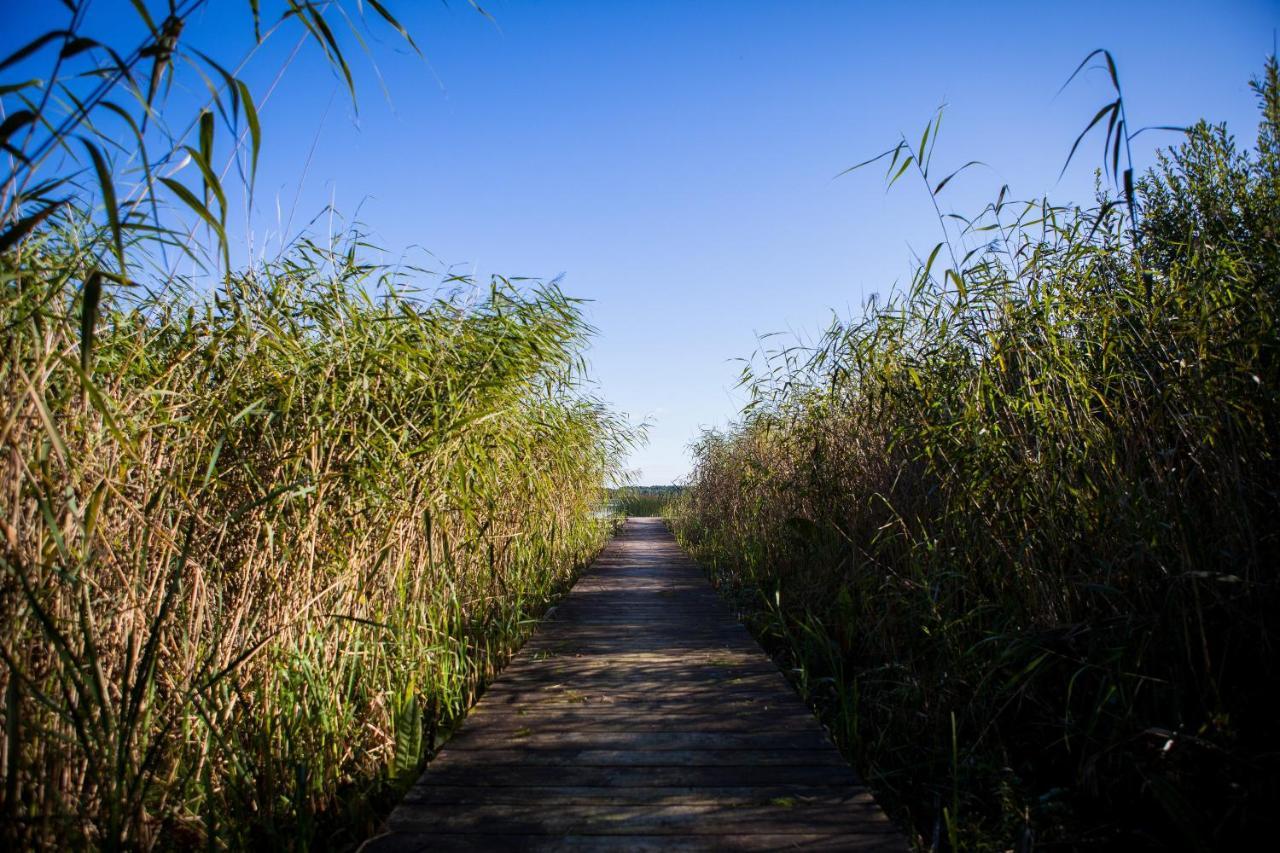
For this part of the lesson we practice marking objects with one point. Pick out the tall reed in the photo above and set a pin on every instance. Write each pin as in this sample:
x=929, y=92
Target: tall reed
x=267, y=531
x=286, y=534
x=643, y=500
x=1015, y=528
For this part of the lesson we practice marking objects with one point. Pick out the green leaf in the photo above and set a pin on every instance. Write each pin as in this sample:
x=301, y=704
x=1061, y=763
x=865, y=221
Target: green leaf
x=313, y=19
x=89, y=317
x=933, y=256
x=905, y=165
x=108, y=188
x=192, y=202
x=210, y=181
x=32, y=46
x=1081, y=66
x=942, y=183
x=10, y=88
x=390, y=19
x=141, y=8
x=26, y=225
x=206, y=135
x=891, y=152
x=255, y=129
x=15, y=122
x=77, y=45
x=1114, y=106
x=407, y=720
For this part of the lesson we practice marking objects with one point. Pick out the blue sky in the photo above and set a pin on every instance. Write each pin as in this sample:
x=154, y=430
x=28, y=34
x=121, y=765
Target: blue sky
x=674, y=161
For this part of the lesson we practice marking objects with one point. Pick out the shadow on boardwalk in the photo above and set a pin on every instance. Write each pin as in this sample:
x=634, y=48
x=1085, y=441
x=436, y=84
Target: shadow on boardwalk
x=641, y=716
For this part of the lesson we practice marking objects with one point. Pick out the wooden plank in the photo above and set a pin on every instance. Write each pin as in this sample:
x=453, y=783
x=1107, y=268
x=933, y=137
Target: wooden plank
x=731, y=660
x=638, y=704
x=570, y=719
x=659, y=741
x=568, y=756
x=640, y=693
x=639, y=686
x=640, y=716
x=545, y=776
x=753, y=710
x=573, y=674
x=435, y=842
x=691, y=819
x=556, y=795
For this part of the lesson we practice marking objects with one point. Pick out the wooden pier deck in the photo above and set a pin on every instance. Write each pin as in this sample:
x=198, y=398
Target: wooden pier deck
x=640, y=716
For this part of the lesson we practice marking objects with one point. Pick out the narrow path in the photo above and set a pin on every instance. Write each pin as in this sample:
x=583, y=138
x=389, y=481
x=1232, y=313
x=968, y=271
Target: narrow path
x=641, y=716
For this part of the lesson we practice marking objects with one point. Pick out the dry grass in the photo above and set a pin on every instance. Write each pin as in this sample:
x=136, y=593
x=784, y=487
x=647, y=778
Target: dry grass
x=281, y=535
x=265, y=531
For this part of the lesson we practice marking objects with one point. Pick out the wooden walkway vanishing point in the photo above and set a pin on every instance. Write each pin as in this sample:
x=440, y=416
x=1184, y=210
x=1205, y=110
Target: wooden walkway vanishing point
x=640, y=716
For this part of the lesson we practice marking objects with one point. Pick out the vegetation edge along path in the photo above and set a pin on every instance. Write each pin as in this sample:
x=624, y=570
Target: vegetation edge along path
x=640, y=715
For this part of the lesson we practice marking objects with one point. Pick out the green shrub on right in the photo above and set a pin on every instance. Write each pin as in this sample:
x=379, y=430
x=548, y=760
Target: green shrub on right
x=1017, y=528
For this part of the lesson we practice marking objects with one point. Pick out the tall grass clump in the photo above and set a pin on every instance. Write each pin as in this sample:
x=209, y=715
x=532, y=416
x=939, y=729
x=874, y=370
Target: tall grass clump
x=265, y=531
x=643, y=500
x=1015, y=529
x=291, y=530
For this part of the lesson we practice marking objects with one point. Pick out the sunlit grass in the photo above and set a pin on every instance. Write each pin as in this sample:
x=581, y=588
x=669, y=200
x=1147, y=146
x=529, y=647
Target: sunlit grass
x=285, y=537
x=266, y=531
x=642, y=500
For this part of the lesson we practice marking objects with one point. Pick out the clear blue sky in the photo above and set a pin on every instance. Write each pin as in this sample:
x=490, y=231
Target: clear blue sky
x=675, y=160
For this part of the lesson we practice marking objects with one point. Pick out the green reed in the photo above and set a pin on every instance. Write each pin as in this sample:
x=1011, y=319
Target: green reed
x=1015, y=528
x=643, y=500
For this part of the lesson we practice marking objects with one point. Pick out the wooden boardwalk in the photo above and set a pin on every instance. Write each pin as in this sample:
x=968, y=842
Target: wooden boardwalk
x=640, y=716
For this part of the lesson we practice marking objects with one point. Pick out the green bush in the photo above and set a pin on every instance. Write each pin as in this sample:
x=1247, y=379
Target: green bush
x=1016, y=527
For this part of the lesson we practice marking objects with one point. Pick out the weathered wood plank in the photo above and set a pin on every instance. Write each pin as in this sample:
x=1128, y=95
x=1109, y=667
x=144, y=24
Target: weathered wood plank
x=635, y=704
x=654, y=741
x=590, y=818
x=637, y=678
x=639, y=694
x=726, y=661
x=641, y=716
x=433, y=842
x=555, y=795
x=560, y=756
x=757, y=722
x=641, y=710
x=533, y=778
